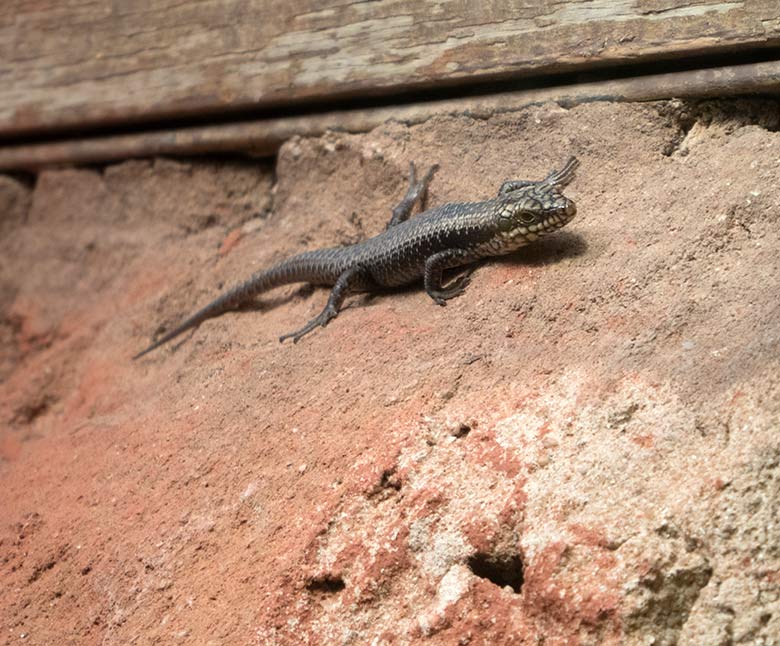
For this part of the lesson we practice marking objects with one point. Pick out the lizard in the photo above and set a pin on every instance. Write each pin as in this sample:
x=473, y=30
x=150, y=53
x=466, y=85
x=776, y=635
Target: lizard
x=444, y=237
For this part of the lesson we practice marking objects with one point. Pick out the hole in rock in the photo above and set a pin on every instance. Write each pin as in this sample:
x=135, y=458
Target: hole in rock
x=327, y=584
x=501, y=569
x=389, y=480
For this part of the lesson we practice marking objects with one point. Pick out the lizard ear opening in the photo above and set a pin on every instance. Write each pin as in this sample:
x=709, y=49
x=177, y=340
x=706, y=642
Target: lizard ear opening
x=526, y=217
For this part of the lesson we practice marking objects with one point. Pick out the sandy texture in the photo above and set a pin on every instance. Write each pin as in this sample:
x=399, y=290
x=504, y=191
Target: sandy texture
x=582, y=449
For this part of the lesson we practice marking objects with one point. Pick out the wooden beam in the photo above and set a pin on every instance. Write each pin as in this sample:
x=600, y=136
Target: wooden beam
x=263, y=137
x=77, y=63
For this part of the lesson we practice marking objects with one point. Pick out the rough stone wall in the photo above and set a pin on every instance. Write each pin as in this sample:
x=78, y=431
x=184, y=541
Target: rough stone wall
x=583, y=448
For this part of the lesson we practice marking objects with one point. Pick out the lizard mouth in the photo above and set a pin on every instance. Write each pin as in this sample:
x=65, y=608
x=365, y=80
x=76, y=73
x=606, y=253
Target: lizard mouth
x=561, y=216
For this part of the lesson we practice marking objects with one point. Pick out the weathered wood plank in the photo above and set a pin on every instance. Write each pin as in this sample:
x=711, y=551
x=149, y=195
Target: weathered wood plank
x=263, y=137
x=67, y=63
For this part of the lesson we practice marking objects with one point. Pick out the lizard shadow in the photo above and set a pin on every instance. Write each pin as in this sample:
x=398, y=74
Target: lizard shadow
x=547, y=250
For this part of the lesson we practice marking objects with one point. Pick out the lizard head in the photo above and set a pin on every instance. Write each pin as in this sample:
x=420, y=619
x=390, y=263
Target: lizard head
x=537, y=208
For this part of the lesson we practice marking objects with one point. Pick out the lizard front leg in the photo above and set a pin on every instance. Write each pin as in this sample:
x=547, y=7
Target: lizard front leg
x=514, y=184
x=560, y=178
x=434, y=269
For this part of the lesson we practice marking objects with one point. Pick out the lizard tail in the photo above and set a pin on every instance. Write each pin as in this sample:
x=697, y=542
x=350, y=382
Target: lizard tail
x=302, y=268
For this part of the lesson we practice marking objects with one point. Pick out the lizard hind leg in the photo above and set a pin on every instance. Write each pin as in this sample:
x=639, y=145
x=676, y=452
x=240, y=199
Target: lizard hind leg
x=347, y=282
x=417, y=190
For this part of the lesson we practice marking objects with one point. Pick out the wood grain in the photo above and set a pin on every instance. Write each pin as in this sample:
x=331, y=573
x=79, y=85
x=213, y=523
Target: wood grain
x=83, y=63
x=264, y=136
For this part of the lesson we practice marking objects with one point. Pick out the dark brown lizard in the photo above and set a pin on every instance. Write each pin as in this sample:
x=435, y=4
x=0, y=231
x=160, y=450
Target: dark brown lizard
x=440, y=238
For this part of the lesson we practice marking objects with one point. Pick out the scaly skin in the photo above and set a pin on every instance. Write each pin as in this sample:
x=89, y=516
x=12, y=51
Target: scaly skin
x=443, y=237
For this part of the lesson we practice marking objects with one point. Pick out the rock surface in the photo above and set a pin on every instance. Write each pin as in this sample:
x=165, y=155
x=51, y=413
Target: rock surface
x=582, y=449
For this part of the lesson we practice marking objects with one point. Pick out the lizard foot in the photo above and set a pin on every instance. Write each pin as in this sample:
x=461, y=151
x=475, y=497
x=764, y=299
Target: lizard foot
x=321, y=320
x=458, y=286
